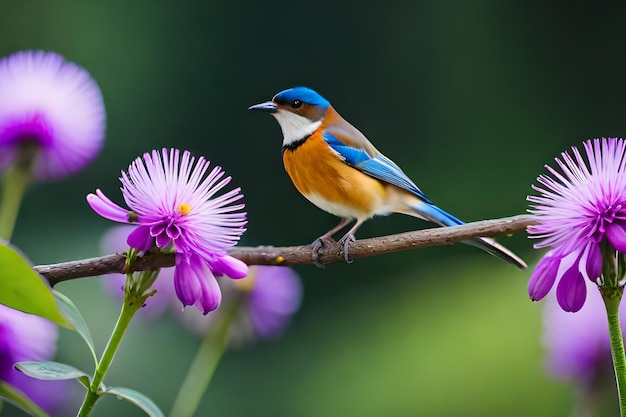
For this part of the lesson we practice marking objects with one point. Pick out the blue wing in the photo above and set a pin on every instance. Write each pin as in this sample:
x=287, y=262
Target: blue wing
x=379, y=166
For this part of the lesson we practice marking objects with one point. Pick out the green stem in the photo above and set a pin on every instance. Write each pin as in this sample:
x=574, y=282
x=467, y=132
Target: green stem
x=129, y=308
x=611, y=302
x=203, y=366
x=15, y=183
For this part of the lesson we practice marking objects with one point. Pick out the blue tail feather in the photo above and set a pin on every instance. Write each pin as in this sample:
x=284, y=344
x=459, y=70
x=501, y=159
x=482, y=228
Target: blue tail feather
x=436, y=215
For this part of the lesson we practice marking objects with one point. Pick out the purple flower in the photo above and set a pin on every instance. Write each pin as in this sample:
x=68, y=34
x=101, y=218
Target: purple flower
x=25, y=337
x=269, y=297
x=578, y=345
x=114, y=241
x=275, y=297
x=174, y=202
x=53, y=104
x=578, y=209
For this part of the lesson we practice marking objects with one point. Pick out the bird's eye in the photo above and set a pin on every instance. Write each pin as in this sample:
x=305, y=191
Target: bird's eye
x=296, y=103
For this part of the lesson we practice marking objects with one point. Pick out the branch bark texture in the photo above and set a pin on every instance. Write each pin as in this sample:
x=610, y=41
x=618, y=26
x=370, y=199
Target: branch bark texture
x=296, y=255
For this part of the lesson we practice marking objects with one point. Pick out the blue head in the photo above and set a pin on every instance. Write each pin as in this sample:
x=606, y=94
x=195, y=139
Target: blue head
x=298, y=110
x=302, y=95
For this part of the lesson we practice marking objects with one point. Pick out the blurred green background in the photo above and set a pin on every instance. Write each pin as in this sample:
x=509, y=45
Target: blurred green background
x=470, y=98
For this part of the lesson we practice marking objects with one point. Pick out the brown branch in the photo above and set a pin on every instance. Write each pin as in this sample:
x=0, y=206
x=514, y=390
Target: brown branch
x=296, y=255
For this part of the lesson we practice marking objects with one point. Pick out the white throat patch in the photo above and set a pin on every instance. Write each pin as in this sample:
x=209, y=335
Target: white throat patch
x=294, y=126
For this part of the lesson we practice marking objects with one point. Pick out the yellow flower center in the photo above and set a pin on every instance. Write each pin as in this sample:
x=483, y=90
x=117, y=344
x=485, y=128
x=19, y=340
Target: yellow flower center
x=184, y=209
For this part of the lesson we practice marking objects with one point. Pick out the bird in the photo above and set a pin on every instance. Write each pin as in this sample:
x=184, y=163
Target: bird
x=335, y=167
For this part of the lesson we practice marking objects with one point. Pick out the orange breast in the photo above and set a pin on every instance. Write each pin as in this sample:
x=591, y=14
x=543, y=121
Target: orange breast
x=326, y=181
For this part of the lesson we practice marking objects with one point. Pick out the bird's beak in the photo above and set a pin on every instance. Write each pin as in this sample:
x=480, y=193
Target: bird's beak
x=268, y=106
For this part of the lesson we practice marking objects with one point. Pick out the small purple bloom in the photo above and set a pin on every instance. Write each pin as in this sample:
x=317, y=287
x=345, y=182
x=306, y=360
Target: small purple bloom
x=269, y=297
x=579, y=207
x=53, y=104
x=175, y=203
x=275, y=297
x=25, y=337
x=578, y=345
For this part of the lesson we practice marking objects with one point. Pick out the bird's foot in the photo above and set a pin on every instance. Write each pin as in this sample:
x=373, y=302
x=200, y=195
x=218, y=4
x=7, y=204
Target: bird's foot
x=319, y=244
x=347, y=242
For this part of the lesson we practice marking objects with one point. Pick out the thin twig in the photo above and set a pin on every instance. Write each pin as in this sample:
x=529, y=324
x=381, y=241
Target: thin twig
x=296, y=255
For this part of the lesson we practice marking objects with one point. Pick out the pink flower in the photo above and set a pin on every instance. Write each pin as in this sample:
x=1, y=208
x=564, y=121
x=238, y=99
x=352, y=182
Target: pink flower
x=24, y=337
x=53, y=104
x=578, y=209
x=174, y=201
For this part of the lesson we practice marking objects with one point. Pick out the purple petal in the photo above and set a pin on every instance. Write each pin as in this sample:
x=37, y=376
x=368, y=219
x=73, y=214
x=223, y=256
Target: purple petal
x=106, y=208
x=210, y=295
x=591, y=262
x=229, y=266
x=195, y=284
x=543, y=277
x=141, y=239
x=162, y=240
x=173, y=231
x=616, y=234
x=186, y=282
x=571, y=291
x=158, y=229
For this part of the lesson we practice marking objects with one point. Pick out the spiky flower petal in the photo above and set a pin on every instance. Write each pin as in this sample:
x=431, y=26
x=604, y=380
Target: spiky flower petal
x=579, y=208
x=175, y=202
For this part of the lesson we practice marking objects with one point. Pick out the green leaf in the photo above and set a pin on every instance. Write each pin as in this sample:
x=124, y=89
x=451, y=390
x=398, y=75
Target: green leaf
x=19, y=399
x=84, y=380
x=23, y=289
x=49, y=370
x=76, y=320
x=137, y=398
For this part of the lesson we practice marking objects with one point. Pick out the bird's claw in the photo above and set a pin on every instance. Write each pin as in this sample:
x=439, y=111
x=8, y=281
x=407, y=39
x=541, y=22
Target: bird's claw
x=319, y=244
x=347, y=242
